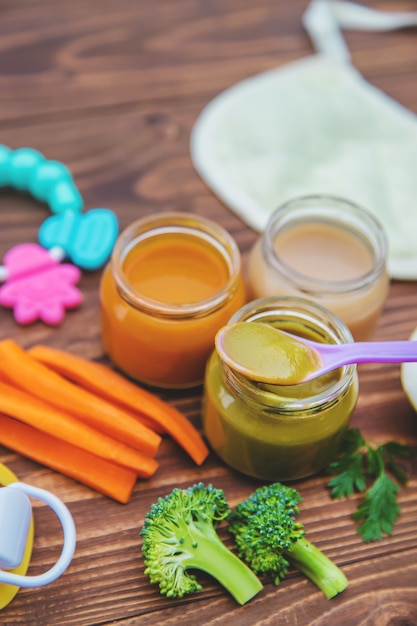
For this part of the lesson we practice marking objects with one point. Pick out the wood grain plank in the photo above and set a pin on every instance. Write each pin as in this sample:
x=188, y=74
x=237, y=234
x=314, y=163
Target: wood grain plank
x=129, y=54
x=113, y=90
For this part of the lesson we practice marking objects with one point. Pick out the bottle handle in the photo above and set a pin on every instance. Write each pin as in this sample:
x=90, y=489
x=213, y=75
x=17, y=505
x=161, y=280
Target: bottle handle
x=68, y=548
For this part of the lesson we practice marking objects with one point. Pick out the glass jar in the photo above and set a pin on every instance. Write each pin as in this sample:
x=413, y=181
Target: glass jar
x=276, y=432
x=326, y=249
x=173, y=280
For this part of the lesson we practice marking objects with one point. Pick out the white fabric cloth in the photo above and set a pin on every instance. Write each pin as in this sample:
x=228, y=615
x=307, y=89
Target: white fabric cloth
x=316, y=126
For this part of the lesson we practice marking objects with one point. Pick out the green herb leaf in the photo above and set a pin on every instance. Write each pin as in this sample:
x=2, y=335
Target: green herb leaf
x=350, y=476
x=397, y=472
x=363, y=468
x=379, y=510
x=394, y=450
x=352, y=441
x=375, y=462
x=399, y=450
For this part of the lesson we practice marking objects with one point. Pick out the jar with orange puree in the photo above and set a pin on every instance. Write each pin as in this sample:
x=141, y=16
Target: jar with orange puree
x=174, y=279
x=280, y=432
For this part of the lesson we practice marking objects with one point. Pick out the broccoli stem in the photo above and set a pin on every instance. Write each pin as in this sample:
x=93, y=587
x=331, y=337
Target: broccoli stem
x=317, y=567
x=214, y=558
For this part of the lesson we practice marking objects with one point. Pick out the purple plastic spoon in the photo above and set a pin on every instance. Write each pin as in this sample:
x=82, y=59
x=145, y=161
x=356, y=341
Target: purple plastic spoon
x=265, y=354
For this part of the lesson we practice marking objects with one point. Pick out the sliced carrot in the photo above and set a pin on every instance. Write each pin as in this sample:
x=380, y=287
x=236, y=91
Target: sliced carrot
x=24, y=371
x=109, y=479
x=37, y=413
x=101, y=379
x=143, y=419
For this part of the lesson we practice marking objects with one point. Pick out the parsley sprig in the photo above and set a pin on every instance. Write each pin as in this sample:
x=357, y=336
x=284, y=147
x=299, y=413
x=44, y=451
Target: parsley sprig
x=364, y=468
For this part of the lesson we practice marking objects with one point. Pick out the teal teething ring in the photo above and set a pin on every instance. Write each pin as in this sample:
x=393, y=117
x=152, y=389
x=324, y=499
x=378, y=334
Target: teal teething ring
x=87, y=246
x=86, y=239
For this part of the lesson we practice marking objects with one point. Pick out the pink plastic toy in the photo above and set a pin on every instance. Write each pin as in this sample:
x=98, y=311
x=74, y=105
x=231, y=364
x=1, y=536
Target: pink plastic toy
x=38, y=286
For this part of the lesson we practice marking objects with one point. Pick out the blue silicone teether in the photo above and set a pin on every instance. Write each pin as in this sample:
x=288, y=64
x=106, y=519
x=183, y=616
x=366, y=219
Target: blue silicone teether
x=22, y=163
x=4, y=165
x=45, y=176
x=87, y=238
x=64, y=196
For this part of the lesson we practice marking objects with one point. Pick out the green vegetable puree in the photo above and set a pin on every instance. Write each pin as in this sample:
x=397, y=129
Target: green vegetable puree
x=276, y=432
x=264, y=353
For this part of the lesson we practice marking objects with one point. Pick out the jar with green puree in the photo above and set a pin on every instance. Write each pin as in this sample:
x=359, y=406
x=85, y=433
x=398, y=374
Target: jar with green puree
x=280, y=432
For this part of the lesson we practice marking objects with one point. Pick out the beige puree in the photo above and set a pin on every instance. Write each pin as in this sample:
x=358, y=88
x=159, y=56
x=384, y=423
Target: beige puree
x=330, y=262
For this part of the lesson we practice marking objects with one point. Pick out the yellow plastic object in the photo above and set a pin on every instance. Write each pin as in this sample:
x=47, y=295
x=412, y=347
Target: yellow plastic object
x=8, y=592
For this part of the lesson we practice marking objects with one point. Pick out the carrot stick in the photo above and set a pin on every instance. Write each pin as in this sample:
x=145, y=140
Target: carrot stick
x=111, y=385
x=25, y=408
x=24, y=371
x=109, y=479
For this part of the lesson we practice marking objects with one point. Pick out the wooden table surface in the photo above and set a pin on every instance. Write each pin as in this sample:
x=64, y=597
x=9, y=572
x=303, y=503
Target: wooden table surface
x=112, y=89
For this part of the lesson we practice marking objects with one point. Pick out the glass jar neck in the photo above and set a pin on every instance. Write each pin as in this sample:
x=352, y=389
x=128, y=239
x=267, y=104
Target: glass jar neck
x=202, y=231
x=324, y=210
x=314, y=322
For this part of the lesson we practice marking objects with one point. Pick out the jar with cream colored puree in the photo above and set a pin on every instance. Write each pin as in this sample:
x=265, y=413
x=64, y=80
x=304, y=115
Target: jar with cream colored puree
x=280, y=432
x=326, y=249
x=174, y=279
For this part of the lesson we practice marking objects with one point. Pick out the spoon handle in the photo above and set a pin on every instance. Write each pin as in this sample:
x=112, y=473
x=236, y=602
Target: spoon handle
x=368, y=352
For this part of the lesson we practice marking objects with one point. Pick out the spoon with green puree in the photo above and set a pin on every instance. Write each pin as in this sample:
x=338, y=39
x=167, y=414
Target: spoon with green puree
x=266, y=354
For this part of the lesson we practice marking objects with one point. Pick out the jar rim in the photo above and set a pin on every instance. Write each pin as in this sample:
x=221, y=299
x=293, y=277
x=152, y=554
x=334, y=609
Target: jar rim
x=320, y=208
x=327, y=324
x=170, y=222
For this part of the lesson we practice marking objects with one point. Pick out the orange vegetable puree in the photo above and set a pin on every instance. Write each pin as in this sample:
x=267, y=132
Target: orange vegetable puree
x=176, y=268
x=179, y=271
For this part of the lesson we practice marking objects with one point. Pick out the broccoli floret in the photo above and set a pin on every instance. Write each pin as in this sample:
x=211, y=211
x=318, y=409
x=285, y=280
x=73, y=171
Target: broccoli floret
x=269, y=539
x=179, y=534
